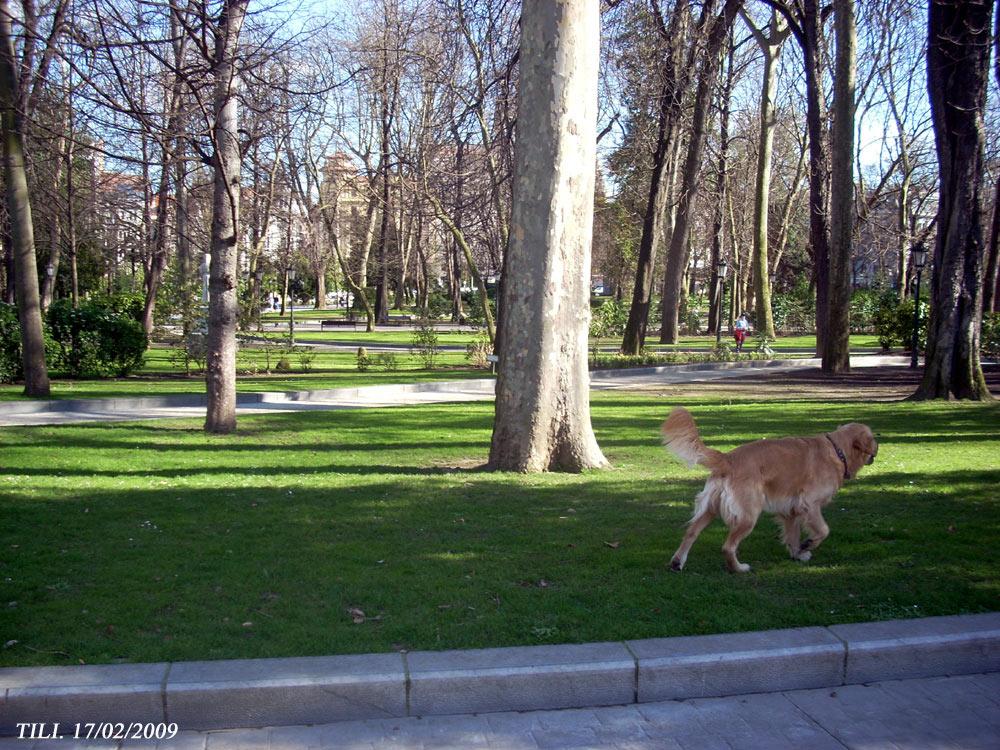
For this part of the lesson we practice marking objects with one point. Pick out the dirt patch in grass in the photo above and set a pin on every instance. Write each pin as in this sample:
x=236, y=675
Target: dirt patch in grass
x=862, y=384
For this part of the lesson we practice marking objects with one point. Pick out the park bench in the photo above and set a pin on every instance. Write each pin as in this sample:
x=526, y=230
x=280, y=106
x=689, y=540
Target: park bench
x=338, y=323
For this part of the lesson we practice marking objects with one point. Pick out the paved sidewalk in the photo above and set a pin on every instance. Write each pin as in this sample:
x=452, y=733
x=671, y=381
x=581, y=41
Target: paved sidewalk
x=944, y=712
x=25, y=413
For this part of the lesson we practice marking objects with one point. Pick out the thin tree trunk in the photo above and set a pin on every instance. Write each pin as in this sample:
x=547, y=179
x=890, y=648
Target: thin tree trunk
x=837, y=342
x=220, y=372
x=957, y=76
x=819, y=161
x=770, y=45
x=543, y=387
x=674, y=83
x=991, y=279
x=722, y=180
x=29, y=309
x=48, y=283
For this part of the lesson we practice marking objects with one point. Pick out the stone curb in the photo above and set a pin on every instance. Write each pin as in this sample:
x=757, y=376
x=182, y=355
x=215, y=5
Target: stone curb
x=318, y=690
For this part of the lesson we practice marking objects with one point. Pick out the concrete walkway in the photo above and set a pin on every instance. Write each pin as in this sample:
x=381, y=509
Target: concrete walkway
x=24, y=413
x=946, y=712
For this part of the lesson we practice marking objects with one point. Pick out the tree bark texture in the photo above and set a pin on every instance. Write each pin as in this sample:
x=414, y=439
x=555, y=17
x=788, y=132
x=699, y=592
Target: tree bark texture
x=957, y=77
x=811, y=41
x=837, y=343
x=677, y=253
x=543, y=386
x=29, y=309
x=220, y=371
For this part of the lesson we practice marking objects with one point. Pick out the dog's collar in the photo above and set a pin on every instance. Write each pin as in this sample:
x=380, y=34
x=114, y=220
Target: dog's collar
x=841, y=456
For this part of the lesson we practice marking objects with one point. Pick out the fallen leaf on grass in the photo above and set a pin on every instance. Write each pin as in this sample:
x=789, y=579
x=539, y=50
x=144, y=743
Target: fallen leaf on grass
x=358, y=616
x=613, y=545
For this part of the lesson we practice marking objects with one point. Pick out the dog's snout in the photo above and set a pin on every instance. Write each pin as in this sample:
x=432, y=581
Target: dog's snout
x=871, y=460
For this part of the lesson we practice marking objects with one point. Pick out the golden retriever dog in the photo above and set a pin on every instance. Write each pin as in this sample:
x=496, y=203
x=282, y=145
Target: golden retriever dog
x=792, y=477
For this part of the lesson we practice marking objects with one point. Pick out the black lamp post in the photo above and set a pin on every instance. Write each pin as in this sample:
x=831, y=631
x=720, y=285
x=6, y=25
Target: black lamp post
x=919, y=258
x=291, y=306
x=720, y=272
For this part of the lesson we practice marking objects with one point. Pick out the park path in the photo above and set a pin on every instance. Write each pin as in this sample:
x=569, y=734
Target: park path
x=24, y=413
x=920, y=714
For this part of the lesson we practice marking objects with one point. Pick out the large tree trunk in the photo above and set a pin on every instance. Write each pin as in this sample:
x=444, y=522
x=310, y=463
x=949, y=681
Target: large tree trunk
x=543, y=388
x=837, y=342
x=957, y=76
x=29, y=309
x=770, y=45
x=220, y=371
x=677, y=254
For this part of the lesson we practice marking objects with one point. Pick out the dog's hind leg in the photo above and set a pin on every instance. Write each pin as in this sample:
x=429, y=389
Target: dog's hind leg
x=697, y=525
x=737, y=534
x=704, y=513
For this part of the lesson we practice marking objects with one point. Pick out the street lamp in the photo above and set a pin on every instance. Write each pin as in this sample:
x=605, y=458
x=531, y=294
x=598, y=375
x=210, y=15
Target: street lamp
x=919, y=257
x=720, y=272
x=291, y=306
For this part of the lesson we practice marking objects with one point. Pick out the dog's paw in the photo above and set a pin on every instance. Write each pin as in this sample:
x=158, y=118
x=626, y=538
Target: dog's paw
x=804, y=556
x=676, y=565
x=740, y=568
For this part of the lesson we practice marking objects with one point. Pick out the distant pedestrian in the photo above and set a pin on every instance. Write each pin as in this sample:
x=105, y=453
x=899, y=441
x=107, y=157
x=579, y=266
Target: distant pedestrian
x=741, y=329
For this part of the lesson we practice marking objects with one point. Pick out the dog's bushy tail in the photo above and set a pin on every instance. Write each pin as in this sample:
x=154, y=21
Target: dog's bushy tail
x=680, y=437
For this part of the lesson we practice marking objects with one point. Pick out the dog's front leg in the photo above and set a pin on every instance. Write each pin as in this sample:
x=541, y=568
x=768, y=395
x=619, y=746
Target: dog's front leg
x=792, y=537
x=818, y=532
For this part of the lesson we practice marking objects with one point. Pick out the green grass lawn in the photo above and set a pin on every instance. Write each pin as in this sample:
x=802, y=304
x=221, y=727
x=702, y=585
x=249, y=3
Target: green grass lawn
x=153, y=541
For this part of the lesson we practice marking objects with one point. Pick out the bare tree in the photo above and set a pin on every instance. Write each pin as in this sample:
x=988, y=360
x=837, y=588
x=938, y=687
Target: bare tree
x=770, y=41
x=223, y=309
x=543, y=388
x=20, y=85
x=677, y=253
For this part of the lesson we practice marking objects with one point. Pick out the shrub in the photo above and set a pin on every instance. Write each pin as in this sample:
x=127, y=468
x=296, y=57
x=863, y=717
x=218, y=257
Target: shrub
x=864, y=305
x=438, y=305
x=11, y=364
x=989, y=340
x=475, y=313
x=425, y=343
x=478, y=351
x=306, y=358
x=95, y=340
x=608, y=319
x=722, y=351
x=387, y=361
x=764, y=349
x=893, y=321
